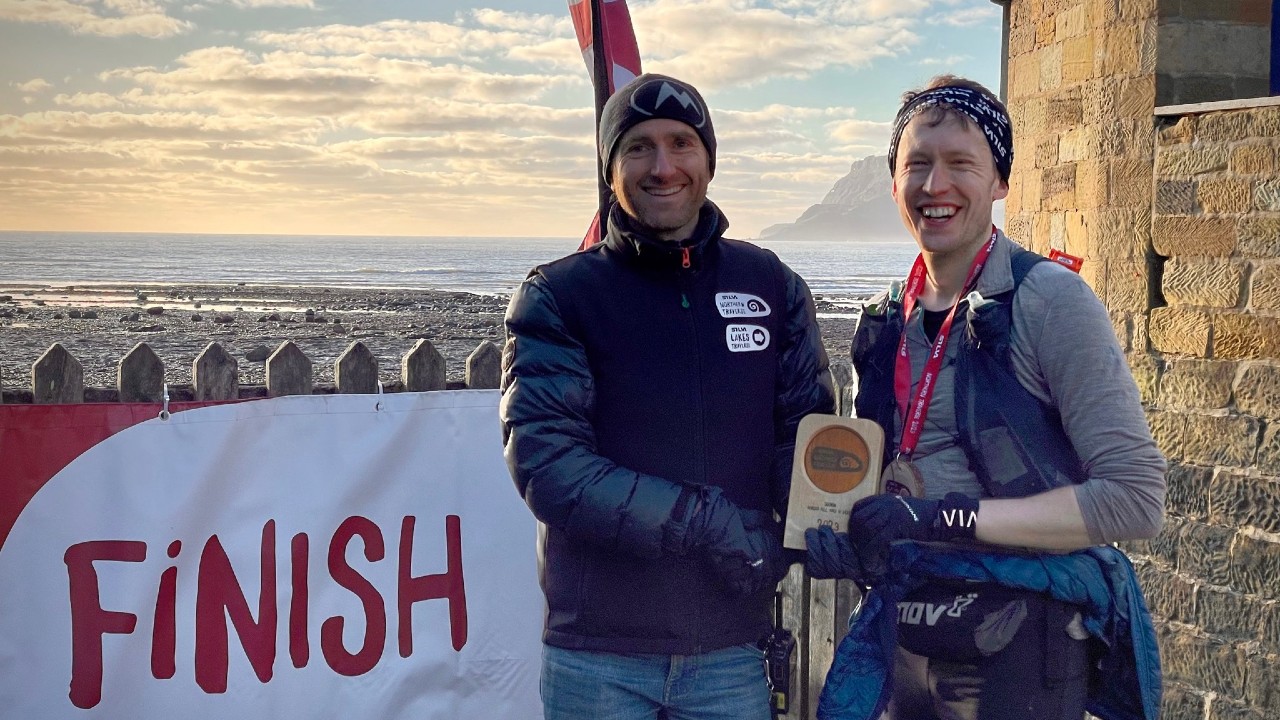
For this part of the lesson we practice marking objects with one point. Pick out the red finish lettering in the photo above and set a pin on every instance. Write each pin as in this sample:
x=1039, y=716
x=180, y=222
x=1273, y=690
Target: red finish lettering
x=448, y=585
x=219, y=596
x=375, y=612
x=164, y=631
x=89, y=621
x=299, y=647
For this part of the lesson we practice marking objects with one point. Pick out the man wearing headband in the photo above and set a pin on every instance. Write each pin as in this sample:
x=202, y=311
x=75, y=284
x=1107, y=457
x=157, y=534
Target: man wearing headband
x=1016, y=451
x=652, y=386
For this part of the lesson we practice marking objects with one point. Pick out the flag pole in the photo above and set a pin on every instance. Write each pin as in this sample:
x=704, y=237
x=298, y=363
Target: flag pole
x=600, y=75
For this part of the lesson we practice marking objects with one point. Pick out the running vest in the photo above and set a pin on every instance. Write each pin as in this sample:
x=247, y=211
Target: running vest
x=1015, y=443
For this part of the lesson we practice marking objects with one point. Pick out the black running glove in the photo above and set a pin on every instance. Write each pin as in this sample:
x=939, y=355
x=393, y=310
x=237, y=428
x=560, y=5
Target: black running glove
x=743, y=548
x=878, y=521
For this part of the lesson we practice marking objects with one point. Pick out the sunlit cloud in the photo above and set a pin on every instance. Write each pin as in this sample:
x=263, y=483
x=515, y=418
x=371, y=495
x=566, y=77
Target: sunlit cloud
x=308, y=4
x=88, y=101
x=489, y=34
x=969, y=16
x=556, y=24
x=553, y=55
x=107, y=18
x=443, y=116
x=860, y=132
x=477, y=124
x=855, y=10
x=234, y=80
x=887, y=8
x=759, y=43
x=98, y=127
x=943, y=63
x=33, y=86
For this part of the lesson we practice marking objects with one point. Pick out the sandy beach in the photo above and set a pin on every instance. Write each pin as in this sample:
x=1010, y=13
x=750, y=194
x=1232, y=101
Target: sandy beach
x=101, y=323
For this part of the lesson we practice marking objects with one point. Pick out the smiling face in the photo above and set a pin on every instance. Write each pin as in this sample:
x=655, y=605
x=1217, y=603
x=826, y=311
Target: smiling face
x=945, y=182
x=660, y=175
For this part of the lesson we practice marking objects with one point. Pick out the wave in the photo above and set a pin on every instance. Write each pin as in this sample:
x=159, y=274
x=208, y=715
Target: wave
x=410, y=271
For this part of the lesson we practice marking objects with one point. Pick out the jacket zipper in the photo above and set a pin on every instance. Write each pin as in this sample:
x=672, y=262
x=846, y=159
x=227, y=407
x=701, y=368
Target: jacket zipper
x=686, y=264
x=686, y=278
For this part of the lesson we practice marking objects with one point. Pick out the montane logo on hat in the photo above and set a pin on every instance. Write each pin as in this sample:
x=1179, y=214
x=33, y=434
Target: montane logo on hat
x=648, y=100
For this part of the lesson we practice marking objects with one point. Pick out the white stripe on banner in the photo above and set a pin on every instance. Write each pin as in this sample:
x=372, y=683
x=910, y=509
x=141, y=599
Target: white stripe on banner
x=304, y=557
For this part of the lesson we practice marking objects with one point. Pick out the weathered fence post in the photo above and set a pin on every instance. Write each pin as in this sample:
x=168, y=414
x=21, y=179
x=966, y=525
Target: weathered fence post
x=848, y=597
x=140, y=375
x=215, y=374
x=822, y=639
x=484, y=367
x=842, y=378
x=422, y=368
x=288, y=371
x=356, y=370
x=57, y=377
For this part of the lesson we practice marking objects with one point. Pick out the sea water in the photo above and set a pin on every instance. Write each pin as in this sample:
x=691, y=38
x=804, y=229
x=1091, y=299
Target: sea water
x=488, y=265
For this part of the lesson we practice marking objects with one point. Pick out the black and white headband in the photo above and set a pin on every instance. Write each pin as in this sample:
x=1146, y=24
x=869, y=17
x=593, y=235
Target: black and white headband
x=991, y=119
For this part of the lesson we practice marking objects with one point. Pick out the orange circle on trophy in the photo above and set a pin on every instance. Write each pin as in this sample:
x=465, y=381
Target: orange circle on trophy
x=836, y=459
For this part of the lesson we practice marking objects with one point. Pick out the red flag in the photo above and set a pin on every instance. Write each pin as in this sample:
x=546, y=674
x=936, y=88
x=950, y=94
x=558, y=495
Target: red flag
x=621, y=54
x=605, y=25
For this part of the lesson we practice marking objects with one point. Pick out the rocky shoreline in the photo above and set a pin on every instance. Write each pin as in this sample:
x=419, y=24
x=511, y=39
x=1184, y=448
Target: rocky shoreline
x=100, y=324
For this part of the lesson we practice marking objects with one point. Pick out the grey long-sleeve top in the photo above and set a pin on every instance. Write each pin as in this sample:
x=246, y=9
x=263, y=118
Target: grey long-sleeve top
x=1064, y=352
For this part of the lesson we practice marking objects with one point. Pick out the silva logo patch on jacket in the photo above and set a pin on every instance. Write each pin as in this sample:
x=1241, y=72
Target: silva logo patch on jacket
x=732, y=304
x=746, y=338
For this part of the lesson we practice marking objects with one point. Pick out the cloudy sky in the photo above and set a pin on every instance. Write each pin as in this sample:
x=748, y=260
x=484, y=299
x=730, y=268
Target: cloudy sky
x=436, y=117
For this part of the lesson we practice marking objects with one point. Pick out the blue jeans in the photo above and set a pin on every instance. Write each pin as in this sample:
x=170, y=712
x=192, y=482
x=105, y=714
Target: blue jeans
x=727, y=684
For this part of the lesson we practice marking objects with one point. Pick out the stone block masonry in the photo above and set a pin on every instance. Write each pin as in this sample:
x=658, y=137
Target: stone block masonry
x=1178, y=219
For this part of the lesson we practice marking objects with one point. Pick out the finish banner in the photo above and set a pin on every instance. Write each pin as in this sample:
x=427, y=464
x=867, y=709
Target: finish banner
x=315, y=556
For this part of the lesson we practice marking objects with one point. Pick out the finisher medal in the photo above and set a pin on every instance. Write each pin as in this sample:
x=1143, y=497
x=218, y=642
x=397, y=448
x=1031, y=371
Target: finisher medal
x=901, y=477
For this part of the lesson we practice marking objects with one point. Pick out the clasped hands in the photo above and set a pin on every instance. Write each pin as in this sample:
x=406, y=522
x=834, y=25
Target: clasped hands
x=875, y=523
x=744, y=548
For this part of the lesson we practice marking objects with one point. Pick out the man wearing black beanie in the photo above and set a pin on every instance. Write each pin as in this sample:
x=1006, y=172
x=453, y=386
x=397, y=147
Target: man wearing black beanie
x=652, y=386
x=662, y=108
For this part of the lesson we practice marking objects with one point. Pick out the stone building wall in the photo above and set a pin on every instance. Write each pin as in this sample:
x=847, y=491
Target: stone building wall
x=1213, y=50
x=1215, y=573
x=1081, y=100
x=1178, y=219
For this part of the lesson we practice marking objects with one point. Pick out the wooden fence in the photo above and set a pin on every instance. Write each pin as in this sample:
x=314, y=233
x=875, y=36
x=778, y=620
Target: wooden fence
x=58, y=377
x=816, y=611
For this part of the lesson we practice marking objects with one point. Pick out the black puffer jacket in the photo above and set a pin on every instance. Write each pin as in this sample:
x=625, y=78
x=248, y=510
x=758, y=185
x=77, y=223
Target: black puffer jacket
x=633, y=371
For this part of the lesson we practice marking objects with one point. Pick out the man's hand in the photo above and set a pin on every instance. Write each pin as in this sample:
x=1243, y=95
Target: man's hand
x=877, y=521
x=743, y=548
x=831, y=555
x=758, y=565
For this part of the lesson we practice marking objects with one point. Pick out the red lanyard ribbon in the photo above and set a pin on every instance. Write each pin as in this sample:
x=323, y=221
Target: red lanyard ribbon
x=913, y=417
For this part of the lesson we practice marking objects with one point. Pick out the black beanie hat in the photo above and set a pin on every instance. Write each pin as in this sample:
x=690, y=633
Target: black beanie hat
x=648, y=97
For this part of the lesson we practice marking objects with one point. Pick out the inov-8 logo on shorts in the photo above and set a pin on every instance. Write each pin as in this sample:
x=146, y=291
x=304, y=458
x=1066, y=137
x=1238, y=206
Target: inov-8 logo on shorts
x=918, y=613
x=746, y=338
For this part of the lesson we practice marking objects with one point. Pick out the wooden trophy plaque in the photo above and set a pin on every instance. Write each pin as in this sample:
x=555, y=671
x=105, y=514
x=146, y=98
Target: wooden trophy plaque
x=837, y=463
